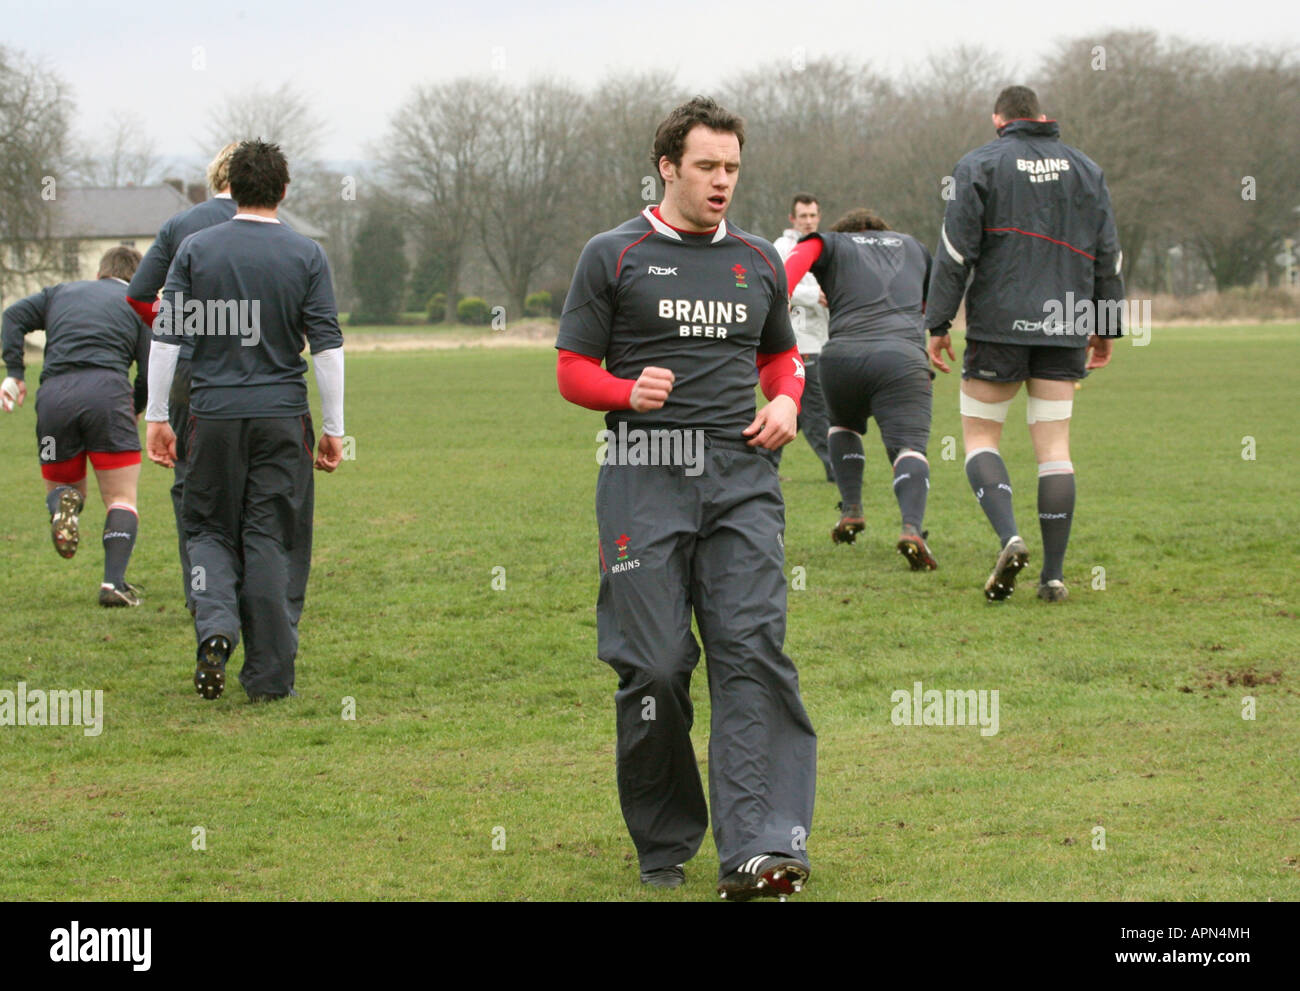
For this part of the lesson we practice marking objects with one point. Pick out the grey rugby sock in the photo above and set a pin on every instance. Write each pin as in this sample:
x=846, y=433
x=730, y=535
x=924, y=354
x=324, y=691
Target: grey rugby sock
x=1055, y=514
x=849, y=460
x=992, y=487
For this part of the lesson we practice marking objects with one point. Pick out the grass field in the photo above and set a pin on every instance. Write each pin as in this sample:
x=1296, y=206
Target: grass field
x=483, y=715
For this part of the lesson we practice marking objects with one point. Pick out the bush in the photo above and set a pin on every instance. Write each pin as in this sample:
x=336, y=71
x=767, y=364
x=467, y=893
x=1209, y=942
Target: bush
x=1240, y=303
x=473, y=310
x=437, y=307
x=559, y=292
x=538, y=304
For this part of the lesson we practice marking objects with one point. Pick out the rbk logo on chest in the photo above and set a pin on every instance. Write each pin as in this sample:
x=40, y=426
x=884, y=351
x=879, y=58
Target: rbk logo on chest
x=660, y=270
x=703, y=317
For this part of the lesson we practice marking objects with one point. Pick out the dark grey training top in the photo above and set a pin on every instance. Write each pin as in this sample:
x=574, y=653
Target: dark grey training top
x=875, y=284
x=86, y=324
x=265, y=293
x=152, y=273
x=700, y=305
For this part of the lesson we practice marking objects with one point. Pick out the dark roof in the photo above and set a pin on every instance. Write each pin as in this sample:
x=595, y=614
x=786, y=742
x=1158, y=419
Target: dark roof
x=86, y=212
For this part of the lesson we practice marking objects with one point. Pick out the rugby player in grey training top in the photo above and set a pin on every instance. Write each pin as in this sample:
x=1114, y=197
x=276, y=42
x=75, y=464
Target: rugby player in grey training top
x=1029, y=238
x=687, y=312
x=251, y=294
x=142, y=295
x=85, y=407
x=874, y=364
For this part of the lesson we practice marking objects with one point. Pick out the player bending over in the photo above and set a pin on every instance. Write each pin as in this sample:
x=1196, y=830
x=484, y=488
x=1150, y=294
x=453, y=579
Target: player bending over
x=1029, y=239
x=874, y=364
x=85, y=406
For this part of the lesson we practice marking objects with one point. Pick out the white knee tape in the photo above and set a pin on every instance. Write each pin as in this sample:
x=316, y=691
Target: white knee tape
x=1041, y=410
x=997, y=412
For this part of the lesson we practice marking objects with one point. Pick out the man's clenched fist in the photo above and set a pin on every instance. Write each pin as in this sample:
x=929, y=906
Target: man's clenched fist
x=652, y=388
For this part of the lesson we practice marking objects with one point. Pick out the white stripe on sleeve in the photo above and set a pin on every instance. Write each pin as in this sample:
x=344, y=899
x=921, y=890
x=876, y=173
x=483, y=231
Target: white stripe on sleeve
x=956, y=255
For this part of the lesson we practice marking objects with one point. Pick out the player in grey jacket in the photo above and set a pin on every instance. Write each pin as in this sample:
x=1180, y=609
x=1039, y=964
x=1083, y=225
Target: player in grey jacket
x=1031, y=227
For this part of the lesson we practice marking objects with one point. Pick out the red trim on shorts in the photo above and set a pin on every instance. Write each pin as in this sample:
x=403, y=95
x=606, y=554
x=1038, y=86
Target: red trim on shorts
x=306, y=440
x=67, y=472
x=108, y=460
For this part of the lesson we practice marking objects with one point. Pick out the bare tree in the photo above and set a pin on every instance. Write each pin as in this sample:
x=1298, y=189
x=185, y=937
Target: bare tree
x=35, y=110
x=1245, y=181
x=123, y=155
x=432, y=156
x=282, y=115
x=921, y=130
x=1125, y=99
x=807, y=127
x=618, y=178
x=529, y=164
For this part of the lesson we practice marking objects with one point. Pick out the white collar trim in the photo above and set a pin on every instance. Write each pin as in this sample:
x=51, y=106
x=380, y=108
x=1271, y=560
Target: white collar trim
x=253, y=216
x=667, y=231
x=221, y=196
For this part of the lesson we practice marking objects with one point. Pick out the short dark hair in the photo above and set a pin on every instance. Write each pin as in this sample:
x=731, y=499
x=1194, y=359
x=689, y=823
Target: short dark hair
x=258, y=174
x=1016, y=102
x=119, y=263
x=670, y=137
x=860, y=219
x=803, y=198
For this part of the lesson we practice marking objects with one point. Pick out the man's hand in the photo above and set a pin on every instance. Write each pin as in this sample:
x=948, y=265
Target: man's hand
x=12, y=393
x=821, y=298
x=1099, y=351
x=652, y=388
x=775, y=425
x=160, y=442
x=936, y=347
x=329, y=452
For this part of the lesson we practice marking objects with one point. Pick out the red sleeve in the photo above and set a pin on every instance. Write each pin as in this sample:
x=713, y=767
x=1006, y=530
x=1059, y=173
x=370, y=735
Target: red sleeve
x=781, y=374
x=582, y=381
x=146, y=311
x=802, y=258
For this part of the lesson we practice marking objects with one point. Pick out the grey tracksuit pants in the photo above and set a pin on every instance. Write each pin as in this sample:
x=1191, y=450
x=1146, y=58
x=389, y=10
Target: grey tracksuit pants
x=672, y=545
x=179, y=414
x=247, y=507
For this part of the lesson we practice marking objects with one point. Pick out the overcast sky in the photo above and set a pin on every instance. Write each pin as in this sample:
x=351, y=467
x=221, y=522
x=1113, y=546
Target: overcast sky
x=357, y=60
